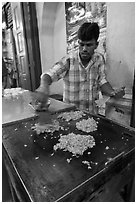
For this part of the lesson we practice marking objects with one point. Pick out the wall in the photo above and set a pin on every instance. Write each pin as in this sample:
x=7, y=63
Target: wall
x=60, y=43
x=121, y=43
x=52, y=36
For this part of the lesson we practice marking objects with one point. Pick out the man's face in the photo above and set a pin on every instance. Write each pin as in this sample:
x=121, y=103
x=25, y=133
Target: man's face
x=86, y=48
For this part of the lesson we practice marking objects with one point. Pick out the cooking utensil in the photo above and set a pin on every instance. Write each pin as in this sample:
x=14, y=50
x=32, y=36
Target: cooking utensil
x=118, y=94
x=101, y=102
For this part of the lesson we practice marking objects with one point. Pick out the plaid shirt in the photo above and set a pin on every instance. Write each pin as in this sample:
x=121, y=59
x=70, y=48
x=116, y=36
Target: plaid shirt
x=81, y=84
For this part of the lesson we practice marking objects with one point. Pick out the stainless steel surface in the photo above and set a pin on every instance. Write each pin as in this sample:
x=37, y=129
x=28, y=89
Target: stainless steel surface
x=17, y=107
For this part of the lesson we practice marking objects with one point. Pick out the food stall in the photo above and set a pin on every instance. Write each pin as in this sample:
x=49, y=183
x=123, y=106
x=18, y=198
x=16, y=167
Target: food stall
x=72, y=156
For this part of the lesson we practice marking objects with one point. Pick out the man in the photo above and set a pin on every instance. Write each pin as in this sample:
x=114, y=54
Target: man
x=83, y=73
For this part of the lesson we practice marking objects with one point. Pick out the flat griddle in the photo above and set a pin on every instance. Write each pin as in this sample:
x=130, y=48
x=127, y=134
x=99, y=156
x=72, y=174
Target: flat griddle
x=46, y=173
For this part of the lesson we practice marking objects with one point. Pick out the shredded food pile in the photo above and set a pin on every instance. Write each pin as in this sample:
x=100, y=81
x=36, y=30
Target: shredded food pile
x=72, y=115
x=88, y=125
x=75, y=143
x=39, y=128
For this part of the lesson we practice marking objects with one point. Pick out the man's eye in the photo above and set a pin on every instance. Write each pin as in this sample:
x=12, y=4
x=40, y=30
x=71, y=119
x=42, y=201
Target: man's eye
x=89, y=45
x=81, y=44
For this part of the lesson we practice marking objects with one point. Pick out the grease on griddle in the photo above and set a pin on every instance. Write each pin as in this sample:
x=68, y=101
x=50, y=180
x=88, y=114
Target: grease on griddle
x=107, y=147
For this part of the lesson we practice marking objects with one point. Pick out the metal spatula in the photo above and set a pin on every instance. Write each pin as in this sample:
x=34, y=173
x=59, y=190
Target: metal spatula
x=102, y=101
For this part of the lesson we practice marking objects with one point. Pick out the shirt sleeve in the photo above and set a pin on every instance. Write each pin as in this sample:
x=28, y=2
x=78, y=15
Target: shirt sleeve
x=59, y=69
x=102, y=74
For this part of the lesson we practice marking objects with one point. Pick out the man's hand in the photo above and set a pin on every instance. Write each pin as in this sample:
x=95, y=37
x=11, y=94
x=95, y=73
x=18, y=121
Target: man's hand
x=41, y=95
x=40, y=101
x=42, y=92
x=119, y=93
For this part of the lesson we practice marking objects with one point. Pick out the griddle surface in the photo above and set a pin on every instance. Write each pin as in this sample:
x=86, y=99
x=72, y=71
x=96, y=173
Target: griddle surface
x=46, y=173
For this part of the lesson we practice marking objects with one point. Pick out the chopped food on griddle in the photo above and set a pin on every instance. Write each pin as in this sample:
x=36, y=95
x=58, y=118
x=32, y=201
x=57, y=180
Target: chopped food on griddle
x=87, y=125
x=72, y=115
x=41, y=128
x=87, y=163
x=68, y=160
x=75, y=143
x=36, y=158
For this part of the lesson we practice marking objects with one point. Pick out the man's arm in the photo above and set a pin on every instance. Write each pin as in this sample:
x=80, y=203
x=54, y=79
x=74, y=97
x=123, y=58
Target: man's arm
x=105, y=86
x=45, y=79
x=107, y=89
x=54, y=74
x=45, y=82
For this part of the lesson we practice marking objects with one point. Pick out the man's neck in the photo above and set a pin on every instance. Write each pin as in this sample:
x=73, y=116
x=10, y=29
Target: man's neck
x=85, y=61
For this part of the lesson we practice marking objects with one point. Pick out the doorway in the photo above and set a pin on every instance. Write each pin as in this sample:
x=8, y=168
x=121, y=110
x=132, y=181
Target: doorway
x=21, y=30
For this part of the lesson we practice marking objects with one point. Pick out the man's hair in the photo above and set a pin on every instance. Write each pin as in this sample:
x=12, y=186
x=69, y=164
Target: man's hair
x=88, y=31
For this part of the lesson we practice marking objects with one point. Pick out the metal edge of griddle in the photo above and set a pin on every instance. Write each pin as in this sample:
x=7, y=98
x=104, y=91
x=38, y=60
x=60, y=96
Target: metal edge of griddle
x=80, y=185
x=73, y=108
x=122, y=154
x=18, y=175
x=19, y=121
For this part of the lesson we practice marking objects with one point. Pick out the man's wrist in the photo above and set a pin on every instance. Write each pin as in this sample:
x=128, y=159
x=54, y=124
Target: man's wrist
x=45, y=79
x=43, y=89
x=112, y=93
x=42, y=75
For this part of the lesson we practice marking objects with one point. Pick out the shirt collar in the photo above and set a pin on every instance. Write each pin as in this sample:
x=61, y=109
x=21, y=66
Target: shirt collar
x=91, y=62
